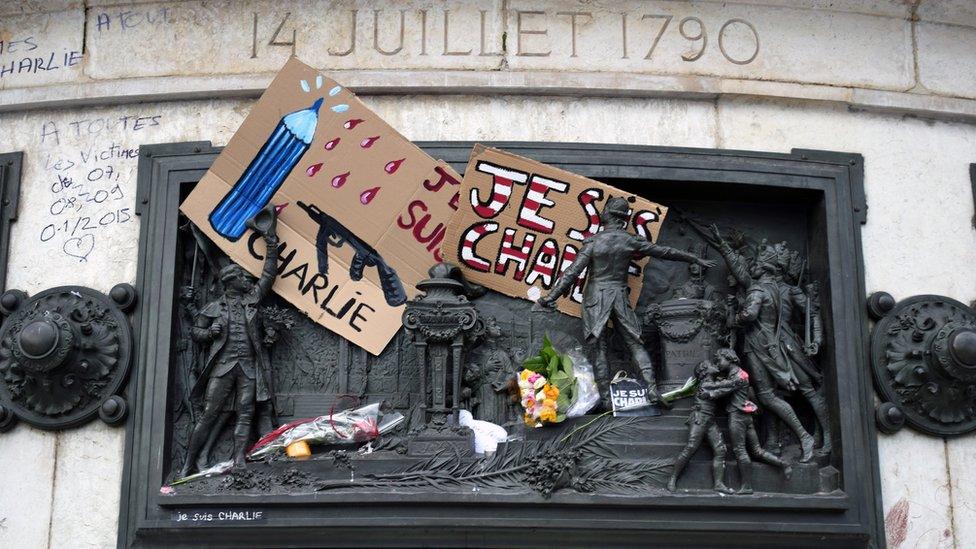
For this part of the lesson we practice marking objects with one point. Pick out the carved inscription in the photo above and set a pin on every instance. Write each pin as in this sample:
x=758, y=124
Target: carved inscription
x=534, y=33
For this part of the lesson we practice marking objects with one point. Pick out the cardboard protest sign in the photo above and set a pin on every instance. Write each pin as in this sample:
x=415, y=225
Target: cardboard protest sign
x=364, y=212
x=521, y=223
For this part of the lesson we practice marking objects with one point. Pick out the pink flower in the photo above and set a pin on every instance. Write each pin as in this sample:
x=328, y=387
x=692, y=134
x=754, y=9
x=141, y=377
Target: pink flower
x=743, y=375
x=749, y=407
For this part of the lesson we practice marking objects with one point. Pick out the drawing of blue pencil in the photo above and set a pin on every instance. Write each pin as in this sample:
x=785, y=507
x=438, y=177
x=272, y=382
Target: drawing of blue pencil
x=267, y=171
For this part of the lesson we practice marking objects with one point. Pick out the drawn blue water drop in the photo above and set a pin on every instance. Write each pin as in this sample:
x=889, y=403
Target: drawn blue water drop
x=340, y=108
x=335, y=90
x=305, y=87
x=318, y=81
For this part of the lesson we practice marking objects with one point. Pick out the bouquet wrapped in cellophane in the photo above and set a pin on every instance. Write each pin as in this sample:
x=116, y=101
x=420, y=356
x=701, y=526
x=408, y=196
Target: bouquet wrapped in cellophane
x=345, y=427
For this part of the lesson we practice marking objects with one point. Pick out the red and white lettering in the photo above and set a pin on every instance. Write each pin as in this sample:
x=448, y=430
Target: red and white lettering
x=569, y=255
x=544, y=265
x=588, y=199
x=469, y=241
x=535, y=199
x=509, y=252
x=503, y=179
x=642, y=219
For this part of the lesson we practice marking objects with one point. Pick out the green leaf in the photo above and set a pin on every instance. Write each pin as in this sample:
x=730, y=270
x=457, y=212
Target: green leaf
x=547, y=352
x=563, y=401
x=553, y=366
x=534, y=362
x=559, y=376
x=567, y=364
x=560, y=418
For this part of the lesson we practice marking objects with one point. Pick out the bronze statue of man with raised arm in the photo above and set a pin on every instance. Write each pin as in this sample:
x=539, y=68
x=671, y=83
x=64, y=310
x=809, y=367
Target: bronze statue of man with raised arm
x=235, y=366
x=606, y=257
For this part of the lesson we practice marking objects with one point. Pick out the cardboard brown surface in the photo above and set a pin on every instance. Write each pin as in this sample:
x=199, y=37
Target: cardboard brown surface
x=546, y=212
x=356, y=169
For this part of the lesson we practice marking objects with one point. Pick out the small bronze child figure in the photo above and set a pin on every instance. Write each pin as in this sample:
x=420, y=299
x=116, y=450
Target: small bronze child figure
x=734, y=381
x=701, y=423
x=606, y=257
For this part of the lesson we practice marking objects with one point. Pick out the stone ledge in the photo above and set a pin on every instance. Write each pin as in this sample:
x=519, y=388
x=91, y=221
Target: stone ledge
x=405, y=82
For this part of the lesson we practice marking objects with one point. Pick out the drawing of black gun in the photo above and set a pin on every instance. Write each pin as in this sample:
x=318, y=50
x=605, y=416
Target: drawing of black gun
x=335, y=233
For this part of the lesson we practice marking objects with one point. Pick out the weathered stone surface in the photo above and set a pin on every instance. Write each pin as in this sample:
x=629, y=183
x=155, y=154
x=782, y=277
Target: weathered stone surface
x=88, y=470
x=590, y=120
x=848, y=51
x=962, y=456
x=915, y=178
x=738, y=41
x=722, y=39
x=216, y=38
x=887, y=8
x=37, y=49
x=20, y=7
x=27, y=457
x=957, y=12
x=915, y=489
x=76, y=222
x=947, y=59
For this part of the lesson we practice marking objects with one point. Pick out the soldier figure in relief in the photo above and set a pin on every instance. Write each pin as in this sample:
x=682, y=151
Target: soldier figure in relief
x=776, y=357
x=236, y=365
x=606, y=256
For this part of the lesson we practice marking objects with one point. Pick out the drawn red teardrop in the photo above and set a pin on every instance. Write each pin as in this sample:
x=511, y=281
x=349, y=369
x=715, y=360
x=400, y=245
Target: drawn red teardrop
x=279, y=207
x=368, y=195
x=339, y=180
x=313, y=169
x=393, y=165
x=332, y=144
x=368, y=142
x=352, y=123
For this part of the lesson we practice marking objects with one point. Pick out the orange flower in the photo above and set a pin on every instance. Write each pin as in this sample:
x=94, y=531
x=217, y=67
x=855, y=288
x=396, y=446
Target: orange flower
x=548, y=414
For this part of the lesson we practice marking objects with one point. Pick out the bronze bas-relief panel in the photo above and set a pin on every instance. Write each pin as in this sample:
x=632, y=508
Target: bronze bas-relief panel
x=558, y=478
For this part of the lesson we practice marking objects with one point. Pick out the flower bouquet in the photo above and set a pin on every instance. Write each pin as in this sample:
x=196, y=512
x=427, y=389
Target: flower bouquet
x=345, y=427
x=547, y=386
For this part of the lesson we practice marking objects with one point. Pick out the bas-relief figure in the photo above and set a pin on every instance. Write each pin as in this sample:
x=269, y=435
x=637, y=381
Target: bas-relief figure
x=776, y=356
x=236, y=373
x=491, y=377
x=758, y=318
x=606, y=257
